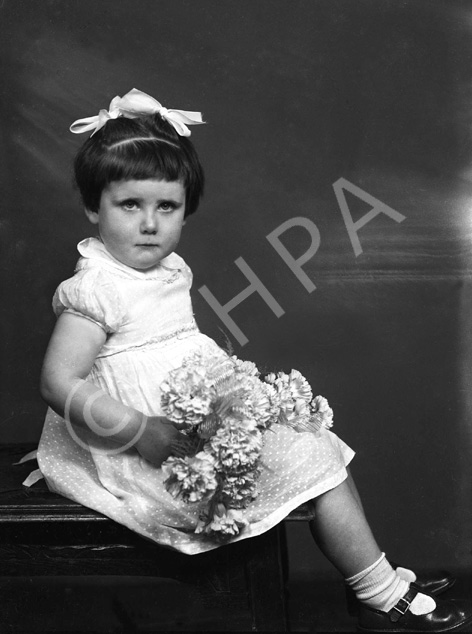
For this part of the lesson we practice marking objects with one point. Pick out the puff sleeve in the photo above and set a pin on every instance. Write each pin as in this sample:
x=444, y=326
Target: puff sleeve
x=177, y=262
x=93, y=295
x=188, y=275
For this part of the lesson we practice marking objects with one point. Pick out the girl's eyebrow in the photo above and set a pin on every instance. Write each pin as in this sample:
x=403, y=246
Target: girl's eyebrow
x=164, y=199
x=173, y=201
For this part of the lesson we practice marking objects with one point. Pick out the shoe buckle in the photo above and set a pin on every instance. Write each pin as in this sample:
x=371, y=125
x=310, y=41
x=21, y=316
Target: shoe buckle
x=400, y=608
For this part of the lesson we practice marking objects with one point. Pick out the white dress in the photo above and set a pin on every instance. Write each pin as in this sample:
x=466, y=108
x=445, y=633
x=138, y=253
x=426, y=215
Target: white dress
x=150, y=328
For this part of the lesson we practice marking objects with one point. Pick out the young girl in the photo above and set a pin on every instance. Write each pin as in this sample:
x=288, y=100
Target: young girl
x=125, y=320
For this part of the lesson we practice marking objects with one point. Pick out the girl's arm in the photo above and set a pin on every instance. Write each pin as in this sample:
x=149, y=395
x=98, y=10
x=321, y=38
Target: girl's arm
x=74, y=346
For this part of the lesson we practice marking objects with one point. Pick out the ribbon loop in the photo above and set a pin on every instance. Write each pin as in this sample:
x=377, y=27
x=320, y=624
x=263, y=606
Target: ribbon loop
x=137, y=104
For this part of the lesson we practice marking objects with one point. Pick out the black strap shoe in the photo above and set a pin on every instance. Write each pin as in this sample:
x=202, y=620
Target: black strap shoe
x=436, y=582
x=448, y=616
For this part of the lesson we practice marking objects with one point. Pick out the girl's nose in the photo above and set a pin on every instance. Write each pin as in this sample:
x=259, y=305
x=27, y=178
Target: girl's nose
x=149, y=222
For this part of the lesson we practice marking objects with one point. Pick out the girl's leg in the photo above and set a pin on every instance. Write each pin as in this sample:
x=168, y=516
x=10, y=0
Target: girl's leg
x=405, y=573
x=344, y=536
x=352, y=486
x=342, y=532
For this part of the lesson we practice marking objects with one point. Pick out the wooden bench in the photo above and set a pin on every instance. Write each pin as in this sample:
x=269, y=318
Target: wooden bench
x=66, y=568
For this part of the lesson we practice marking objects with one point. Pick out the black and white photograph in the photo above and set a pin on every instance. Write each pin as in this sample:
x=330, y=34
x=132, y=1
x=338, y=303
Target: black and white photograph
x=236, y=319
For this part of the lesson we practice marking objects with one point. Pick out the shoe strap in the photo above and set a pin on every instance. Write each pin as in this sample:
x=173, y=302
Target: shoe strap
x=402, y=607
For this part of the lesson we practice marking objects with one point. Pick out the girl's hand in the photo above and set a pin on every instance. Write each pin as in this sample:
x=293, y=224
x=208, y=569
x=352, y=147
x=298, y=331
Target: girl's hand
x=155, y=444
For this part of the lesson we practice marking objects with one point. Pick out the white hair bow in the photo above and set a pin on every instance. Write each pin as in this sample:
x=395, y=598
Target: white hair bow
x=137, y=104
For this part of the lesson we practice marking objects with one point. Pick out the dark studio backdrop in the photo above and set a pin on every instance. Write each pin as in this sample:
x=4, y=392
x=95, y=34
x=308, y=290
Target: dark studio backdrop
x=297, y=94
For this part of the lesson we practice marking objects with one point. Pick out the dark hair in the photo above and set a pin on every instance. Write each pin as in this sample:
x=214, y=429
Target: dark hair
x=137, y=149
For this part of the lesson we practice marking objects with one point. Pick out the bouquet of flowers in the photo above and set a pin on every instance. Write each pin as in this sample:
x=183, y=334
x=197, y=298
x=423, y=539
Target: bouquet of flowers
x=226, y=407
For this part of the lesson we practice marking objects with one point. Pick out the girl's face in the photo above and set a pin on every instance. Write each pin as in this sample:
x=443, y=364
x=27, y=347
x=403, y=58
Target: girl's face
x=140, y=221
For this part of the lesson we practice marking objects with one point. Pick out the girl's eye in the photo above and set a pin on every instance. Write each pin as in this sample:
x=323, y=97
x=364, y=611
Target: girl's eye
x=166, y=206
x=129, y=205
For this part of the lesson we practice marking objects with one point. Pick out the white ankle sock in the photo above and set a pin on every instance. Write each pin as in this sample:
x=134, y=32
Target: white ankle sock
x=406, y=573
x=422, y=603
x=381, y=587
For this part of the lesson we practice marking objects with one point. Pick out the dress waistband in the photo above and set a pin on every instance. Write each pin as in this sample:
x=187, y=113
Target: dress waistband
x=180, y=333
